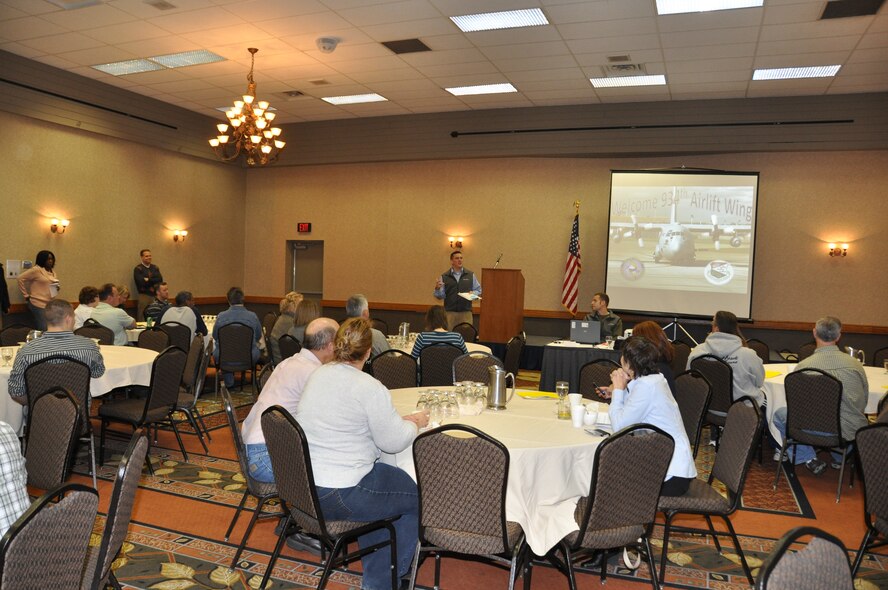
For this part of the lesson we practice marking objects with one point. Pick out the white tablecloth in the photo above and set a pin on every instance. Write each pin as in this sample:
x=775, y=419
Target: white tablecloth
x=124, y=365
x=550, y=463
x=776, y=393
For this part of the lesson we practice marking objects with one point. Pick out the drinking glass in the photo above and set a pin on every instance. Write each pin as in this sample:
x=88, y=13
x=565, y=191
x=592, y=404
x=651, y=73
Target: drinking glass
x=423, y=402
x=886, y=365
x=562, y=388
x=8, y=353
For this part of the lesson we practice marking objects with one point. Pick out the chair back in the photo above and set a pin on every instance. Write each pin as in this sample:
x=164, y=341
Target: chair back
x=166, y=375
x=680, y=353
x=627, y=475
x=450, y=468
x=12, y=335
x=195, y=353
x=742, y=429
x=235, y=345
x=514, y=351
x=52, y=429
x=436, y=364
x=179, y=333
x=821, y=565
x=761, y=349
x=467, y=331
x=154, y=339
x=692, y=394
x=239, y=446
x=268, y=322
x=474, y=366
x=879, y=357
x=93, y=329
x=288, y=346
x=54, y=371
x=264, y=376
x=872, y=448
x=721, y=380
x=813, y=401
x=291, y=464
x=806, y=350
x=119, y=511
x=394, y=368
x=380, y=325
x=47, y=546
x=596, y=373
x=881, y=409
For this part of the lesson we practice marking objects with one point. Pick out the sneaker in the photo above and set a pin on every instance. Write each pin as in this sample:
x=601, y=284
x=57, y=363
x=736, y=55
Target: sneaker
x=777, y=457
x=836, y=465
x=816, y=466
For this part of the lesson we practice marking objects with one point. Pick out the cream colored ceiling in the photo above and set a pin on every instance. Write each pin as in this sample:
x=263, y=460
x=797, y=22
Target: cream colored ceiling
x=704, y=56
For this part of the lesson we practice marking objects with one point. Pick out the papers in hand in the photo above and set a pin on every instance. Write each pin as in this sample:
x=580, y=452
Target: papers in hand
x=470, y=296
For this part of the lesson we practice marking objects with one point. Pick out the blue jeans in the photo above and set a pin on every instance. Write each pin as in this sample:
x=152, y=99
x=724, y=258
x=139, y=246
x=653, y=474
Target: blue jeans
x=803, y=453
x=259, y=463
x=384, y=492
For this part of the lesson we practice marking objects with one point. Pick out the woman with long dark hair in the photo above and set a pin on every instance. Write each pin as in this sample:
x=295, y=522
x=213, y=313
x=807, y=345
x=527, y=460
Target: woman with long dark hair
x=665, y=352
x=39, y=286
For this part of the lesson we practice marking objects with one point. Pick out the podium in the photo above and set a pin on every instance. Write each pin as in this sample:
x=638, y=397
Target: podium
x=502, y=305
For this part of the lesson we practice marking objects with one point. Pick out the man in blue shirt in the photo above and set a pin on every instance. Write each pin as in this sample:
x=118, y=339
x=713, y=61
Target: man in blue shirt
x=236, y=312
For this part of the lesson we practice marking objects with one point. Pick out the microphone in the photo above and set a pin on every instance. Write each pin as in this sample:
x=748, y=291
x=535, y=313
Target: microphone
x=498, y=258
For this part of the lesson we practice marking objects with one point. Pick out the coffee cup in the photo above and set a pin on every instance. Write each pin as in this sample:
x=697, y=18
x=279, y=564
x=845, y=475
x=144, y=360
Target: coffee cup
x=576, y=415
x=576, y=399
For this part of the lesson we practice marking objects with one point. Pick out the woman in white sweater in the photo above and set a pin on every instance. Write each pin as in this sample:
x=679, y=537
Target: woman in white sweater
x=642, y=395
x=349, y=419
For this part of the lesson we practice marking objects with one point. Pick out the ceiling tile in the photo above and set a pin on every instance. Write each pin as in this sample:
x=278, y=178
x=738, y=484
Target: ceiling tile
x=61, y=43
x=547, y=75
x=797, y=60
x=255, y=12
x=390, y=12
x=386, y=75
x=98, y=55
x=802, y=46
x=29, y=27
x=470, y=70
x=826, y=28
x=196, y=20
x=124, y=32
x=411, y=29
x=611, y=28
x=638, y=56
x=615, y=45
x=535, y=63
x=709, y=52
x=89, y=17
x=310, y=24
x=717, y=19
x=792, y=13
x=710, y=37
x=512, y=36
x=452, y=56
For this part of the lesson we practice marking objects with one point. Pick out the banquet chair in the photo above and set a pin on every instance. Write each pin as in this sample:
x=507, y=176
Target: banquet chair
x=474, y=367
x=380, y=325
x=263, y=492
x=153, y=339
x=288, y=346
x=47, y=546
x=235, y=344
x=813, y=405
x=394, y=368
x=179, y=333
x=436, y=364
x=761, y=349
x=879, y=357
x=721, y=381
x=473, y=465
x=268, y=322
x=621, y=507
x=692, y=394
x=872, y=449
x=264, y=376
x=680, y=353
x=742, y=429
x=291, y=464
x=596, y=374
x=74, y=375
x=514, y=351
x=806, y=350
x=93, y=329
x=881, y=412
x=12, y=335
x=193, y=377
x=821, y=565
x=467, y=331
x=50, y=440
x=158, y=405
x=98, y=574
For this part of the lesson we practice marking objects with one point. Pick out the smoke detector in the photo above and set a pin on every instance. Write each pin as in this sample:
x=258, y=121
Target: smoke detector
x=327, y=44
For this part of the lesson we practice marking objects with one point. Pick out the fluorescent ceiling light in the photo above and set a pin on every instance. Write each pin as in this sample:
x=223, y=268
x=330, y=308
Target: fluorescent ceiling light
x=622, y=81
x=510, y=19
x=482, y=89
x=791, y=73
x=354, y=99
x=682, y=6
x=187, y=58
x=130, y=66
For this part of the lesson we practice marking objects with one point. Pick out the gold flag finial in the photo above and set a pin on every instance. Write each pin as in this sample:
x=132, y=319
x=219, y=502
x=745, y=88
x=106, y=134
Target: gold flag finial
x=577, y=206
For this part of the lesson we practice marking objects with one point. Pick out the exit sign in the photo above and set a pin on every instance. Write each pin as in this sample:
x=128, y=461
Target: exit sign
x=303, y=227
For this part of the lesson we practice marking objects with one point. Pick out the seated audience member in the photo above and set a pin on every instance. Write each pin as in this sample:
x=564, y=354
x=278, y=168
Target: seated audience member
x=14, y=498
x=358, y=307
x=855, y=390
x=59, y=339
x=306, y=311
x=727, y=343
x=89, y=299
x=641, y=396
x=284, y=322
x=611, y=324
x=183, y=312
x=236, y=312
x=656, y=336
x=155, y=310
x=349, y=420
x=109, y=315
x=123, y=294
x=436, y=332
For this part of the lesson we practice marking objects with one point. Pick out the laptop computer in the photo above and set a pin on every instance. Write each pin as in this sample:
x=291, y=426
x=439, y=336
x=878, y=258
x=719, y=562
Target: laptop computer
x=585, y=332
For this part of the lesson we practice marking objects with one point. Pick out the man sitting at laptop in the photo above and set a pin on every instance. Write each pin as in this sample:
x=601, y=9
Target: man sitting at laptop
x=611, y=324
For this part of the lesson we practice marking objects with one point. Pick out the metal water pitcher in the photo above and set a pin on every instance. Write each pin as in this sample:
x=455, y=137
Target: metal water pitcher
x=856, y=353
x=496, y=388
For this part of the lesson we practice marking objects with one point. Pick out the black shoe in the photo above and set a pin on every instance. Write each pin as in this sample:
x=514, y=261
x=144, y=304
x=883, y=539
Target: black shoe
x=304, y=542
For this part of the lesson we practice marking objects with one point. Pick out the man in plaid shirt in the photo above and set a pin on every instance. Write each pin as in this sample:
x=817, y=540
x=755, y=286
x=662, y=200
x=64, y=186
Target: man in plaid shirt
x=13, y=477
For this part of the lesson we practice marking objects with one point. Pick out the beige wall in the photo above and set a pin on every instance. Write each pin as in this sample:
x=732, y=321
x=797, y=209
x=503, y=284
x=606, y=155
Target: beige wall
x=385, y=226
x=120, y=197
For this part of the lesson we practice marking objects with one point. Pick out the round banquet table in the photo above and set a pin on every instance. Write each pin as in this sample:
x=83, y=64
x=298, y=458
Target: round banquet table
x=550, y=463
x=124, y=365
x=408, y=348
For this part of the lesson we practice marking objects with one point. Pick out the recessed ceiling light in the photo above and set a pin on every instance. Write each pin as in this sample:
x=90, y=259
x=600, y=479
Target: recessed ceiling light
x=791, y=73
x=623, y=81
x=130, y=66
x=354, y=99
x=510, y=19
x=482, y=89
x=187, y=58
x=682, y=6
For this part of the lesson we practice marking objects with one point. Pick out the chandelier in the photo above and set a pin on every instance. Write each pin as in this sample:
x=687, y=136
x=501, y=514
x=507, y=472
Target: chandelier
x=251, y=134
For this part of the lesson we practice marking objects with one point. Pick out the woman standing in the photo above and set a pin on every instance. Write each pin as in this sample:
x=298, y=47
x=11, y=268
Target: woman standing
x=39, y=286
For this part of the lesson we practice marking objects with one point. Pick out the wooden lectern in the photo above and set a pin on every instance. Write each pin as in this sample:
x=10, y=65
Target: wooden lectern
x=502, y=304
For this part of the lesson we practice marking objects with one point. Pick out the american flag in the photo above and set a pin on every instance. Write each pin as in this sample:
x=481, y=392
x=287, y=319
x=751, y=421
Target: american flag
x=572, y=269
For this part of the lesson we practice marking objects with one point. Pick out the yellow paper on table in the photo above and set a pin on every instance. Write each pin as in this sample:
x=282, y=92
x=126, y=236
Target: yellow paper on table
x=772, y=374
x=538, y=395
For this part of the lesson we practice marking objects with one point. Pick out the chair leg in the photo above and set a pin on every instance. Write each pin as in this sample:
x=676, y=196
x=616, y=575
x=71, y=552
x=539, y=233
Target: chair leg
x=393, y=553
x=605, y=555
x=112, y=579
x=528, y=570
x=236, y=515
x=568, y=564
x=650, y=559
x=739, y=549
x=415, y=569
x=862, y=551
x=516, y=565
x=178, y=438
x=206, y=431
x=780, y=464
x=253, y=519
x=328, y=567
x=841, y=478
x=664, y=554
x=275, y=554
x=713, y=533
x=92, y=458
x=437, y=571
x=102, y=443
x=197, y=431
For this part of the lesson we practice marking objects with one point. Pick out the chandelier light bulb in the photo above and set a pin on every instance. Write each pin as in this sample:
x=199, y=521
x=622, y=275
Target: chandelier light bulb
x=238, y=104
x=236, y=123
x=255, y=138
x=258, y=112
x=223, y=139
x=276, y=131
x=279, y=144
x=269, y=117
x=266, y=149
x=214, y=142
x=222, y=127
x=249, y=99
x=261, y=123
x=263, y=104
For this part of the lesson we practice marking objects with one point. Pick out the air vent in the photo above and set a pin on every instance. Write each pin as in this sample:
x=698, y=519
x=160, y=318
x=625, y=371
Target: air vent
x=406, y=46
x=617, y=70
x=291, y=95
x=74, y=4
x=618, y=58
x=160, y=4
x=849, y=8
x=319, y=82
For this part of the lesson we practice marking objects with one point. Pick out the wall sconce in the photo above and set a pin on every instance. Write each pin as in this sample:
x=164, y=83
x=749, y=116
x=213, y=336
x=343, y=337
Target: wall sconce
x=838, y=250
x=59, y=226
x=179, y=235
x=455, y=242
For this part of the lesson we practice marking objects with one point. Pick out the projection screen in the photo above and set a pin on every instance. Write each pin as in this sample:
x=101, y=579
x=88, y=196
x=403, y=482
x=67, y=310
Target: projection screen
x=681, y=242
